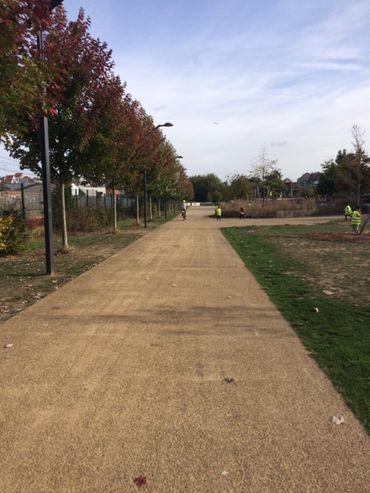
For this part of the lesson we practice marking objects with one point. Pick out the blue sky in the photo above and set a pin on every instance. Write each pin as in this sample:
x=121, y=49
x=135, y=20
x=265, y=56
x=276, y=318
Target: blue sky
x=237, y=75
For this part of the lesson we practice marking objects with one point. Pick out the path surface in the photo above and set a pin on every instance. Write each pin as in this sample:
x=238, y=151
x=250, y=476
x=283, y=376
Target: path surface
x=120, y=374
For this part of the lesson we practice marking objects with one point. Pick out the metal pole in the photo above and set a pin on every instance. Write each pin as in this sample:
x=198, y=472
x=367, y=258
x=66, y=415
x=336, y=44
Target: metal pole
x=44, y=141
x=48, y=221
x=145, y=200
x=23, y=204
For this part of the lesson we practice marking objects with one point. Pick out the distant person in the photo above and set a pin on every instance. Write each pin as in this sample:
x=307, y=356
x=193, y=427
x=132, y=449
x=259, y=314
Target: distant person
x=218, y=213
x=347, y=212
x=184, y=207
x=241, y=213
x=356, y=221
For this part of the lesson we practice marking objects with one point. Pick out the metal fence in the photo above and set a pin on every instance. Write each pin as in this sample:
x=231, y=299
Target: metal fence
x=102, y=201
x=30, y=204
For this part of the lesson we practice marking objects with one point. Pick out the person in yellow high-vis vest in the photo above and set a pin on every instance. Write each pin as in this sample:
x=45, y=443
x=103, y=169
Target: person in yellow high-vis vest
x=218, y=213
x=356, y=221
x=347, y=212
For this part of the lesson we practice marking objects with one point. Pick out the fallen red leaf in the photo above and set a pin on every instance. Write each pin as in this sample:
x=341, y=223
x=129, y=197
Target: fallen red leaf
x=140, y=481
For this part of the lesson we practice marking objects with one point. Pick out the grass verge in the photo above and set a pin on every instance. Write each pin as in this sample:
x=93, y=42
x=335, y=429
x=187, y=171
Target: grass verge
x=338, y=333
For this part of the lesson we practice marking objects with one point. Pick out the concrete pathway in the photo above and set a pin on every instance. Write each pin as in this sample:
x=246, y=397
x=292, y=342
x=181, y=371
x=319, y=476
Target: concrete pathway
x=120, y=375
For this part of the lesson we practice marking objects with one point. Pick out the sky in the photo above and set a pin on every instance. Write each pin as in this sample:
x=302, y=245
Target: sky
x=239, y=76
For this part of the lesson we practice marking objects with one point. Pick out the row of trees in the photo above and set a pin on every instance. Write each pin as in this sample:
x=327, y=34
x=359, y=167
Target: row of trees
x=97, y=129
x=265, y=181
x=211, y=188
x=347, y=176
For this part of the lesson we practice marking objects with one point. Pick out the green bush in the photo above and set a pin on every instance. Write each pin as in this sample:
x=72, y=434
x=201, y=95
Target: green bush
x=12, y=233
x=87, y=220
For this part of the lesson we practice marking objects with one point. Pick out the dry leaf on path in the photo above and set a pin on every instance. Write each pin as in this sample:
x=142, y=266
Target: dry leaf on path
x=140, y=481
x=337, y=421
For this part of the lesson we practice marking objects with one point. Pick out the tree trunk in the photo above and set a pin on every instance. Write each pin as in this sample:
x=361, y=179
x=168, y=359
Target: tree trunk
x=364, y=225
x=150, y=208
x=159, y=207
x=137, y=210
x=63, y=213
x=358, y=193
x=114, y=206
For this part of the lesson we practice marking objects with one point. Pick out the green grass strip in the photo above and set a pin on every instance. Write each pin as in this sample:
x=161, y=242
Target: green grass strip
x=338, y=336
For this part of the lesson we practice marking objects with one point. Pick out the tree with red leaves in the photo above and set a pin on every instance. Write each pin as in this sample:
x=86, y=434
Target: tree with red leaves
x=108, y=153
x=96, y=130
x=81, y=69
x=21, y=74
x=170, y=181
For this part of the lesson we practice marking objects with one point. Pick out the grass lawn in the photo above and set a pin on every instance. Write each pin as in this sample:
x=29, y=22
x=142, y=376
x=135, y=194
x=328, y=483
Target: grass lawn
x=323, y=289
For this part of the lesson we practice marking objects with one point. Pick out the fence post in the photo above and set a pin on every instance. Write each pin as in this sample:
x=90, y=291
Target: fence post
x=23, y=204
x=87, y=199
x=137, y=210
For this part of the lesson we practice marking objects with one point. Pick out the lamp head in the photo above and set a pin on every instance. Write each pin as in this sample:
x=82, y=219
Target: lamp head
x=167, y=124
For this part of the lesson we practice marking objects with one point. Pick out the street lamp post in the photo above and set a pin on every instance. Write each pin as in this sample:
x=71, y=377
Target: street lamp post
x=167, y=124
x=45, y=162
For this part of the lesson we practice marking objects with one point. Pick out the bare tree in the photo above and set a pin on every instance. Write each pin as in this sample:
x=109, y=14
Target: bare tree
x=358, y=143
x=263, y=167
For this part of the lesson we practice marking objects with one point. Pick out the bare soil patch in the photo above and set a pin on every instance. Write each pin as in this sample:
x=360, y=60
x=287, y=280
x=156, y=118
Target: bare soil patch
x=22, y=277
x=336, y=263
x=340, y=237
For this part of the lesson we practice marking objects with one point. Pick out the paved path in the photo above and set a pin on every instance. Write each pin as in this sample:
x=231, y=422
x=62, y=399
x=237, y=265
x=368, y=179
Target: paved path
x=120, y=374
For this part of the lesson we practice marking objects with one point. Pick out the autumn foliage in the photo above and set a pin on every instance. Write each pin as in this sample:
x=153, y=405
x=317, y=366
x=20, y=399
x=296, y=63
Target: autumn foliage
x=97, y=130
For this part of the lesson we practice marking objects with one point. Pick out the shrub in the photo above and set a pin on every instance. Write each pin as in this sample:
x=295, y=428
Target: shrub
x=12, y=233
x=87, y=220
x=34, y=222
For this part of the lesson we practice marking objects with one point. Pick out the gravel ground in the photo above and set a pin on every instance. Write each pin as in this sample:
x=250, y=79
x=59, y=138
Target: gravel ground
x=167, y=369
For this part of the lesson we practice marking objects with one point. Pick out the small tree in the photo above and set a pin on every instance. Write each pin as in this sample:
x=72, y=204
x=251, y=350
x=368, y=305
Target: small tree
x=263, y=167
x=326, y=184
x=239, y=187
x=274, y=183
x=360, y=163
x=205, y=186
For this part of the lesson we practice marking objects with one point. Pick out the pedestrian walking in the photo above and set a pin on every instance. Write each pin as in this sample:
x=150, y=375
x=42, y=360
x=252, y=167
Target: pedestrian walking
x=356, y=221
x=241, y=213
x=218, y=213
